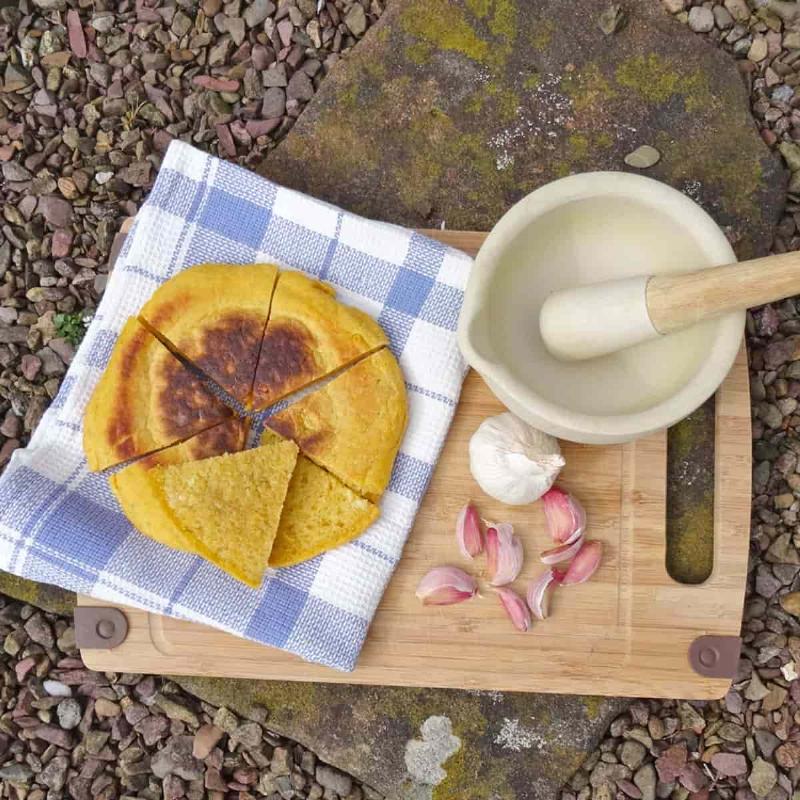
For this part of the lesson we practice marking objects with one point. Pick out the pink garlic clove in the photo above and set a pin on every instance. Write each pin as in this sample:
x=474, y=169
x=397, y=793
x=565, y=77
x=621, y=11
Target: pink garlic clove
x=584, y=565
x=468, y=532
x=564, y=552
x=515, y=608
x=566, y=518
x=443, y=586
x=537, y=593
x=503, y=554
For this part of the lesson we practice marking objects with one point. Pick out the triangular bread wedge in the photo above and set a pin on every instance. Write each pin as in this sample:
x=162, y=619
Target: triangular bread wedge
x=319, y=513
x=214, y=316
x=352, y=426
x=228, y=507
x=144, y=401
x=310, y=334
x=140, y=494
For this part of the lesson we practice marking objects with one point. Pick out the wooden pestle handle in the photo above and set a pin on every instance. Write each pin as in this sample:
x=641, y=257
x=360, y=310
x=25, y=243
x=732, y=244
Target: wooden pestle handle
x=681, y=299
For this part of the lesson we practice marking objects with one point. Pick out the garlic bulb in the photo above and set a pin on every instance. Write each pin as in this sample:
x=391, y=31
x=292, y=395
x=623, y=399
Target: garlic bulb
x=513, y=462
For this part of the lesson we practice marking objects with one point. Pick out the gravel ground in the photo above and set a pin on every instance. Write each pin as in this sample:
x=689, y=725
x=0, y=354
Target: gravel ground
x=748, y=745
x=66, y=731
x=92, y=93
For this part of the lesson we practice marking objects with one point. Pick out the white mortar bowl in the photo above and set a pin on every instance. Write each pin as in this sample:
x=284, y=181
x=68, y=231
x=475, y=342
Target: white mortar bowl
x=584, y=229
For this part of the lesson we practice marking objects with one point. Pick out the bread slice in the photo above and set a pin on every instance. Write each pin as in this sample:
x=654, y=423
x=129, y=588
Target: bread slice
x=140, y=494
x=310, y=334
x=214, y=316
x=228, y=507
x=352, y=426
x=144, y=401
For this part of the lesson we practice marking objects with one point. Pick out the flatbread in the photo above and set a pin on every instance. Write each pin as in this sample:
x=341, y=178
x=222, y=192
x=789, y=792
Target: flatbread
x=144, y=401
x=140, y=496
x=310, y=334
x=352, y=426
x=228, y=507
x=319, y=513
x=214, y=315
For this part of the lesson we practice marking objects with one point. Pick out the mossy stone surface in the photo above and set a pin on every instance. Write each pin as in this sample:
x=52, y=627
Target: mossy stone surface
x=451, y=110
x=41, y=595
x=512, y=746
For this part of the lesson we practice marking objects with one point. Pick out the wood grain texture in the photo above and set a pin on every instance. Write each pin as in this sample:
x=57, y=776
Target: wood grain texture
x=677, y=300
x=626, y=632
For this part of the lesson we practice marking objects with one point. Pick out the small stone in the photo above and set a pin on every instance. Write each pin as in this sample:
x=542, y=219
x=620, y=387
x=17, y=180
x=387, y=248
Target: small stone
x=274, y=103
x=16, y=773
x=285, y=29
x=782, y=551
x=176, y=710
x=249, y=734
x=671, y=763
x=787, y=755
x=643, y=157
x=783, y=94
x=61, y=244
x=758, y=49
x=767, y=742
x=40, y=631
x=693, y=777
x=722, y=18
x=791, y=40
x=95, y=741
x=56, y=689
x=300, y=87
x=645, y=780
x=106, y=708
x=330, y=778
x=775, y=699
x=674, y=6
x=257, y=12
x=356, y=20
x=30, y=366
x=701, y=20
x=729, y=765
x=791, y=155
x=763, y=776
x=205, y=740
x=63, y=348
x=215, y=84
x=791, y=603
x=176, y=759
x=152, y=729
x=56, y=210
x=137, y=174
x=738, y=9
x=69, y=714
x=281, y=761
x=632, y=754
x=226, y=720
x=181, y=23
x=54, y=735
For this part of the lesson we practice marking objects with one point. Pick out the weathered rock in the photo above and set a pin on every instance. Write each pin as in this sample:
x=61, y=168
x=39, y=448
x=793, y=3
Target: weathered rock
x=205, y=740
x=176, y=759
x=523, y=745
x=762, y=778
x=468, y=112
x=729, y=764
x=69, y=714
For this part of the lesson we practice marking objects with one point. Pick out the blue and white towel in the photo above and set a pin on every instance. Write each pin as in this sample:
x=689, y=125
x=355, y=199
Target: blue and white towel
x=60, y=523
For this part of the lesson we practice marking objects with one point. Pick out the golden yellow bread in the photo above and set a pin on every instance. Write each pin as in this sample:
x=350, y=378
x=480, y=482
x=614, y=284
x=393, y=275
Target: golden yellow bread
x=319, y=513
x=214, y=316
x=140, y=496
x=310, y=334
x=145, y=400
x=352, y=426
x=228, y=507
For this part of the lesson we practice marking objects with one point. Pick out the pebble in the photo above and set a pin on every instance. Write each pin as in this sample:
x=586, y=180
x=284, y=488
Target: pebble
x=335, y=781
x=758, y=49
x=176, y=758
x=632, y=754
x=645, y=781
x=40, y=631
x=729, y=764
x=701, y=19
x=205, y=740
x=356, y=19
x=763, y=777
x=643, y=157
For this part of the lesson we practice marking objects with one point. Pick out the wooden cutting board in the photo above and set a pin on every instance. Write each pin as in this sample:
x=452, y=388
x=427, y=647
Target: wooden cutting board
x=627, y=632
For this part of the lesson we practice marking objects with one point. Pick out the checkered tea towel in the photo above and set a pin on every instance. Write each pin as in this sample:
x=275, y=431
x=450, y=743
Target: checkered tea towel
x=60, y=523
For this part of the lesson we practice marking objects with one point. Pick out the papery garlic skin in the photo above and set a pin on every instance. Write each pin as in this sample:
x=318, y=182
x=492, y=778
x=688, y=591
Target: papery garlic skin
x=564, y=552
x=443, y=586
x=537, y=593
x=515, y=608
x=503, y=554
x=468, y=532
x=512, y=461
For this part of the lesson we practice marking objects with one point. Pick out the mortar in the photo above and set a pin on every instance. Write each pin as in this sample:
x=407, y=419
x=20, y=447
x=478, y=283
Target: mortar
x=575, y=231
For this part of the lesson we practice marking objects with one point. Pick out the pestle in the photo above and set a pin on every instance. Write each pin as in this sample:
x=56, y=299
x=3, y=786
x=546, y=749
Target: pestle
x=601, y=318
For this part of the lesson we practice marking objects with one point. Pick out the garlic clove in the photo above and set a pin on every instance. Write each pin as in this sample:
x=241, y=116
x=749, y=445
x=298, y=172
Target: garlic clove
x=443, y=586
x=566, y=518
x=564, y=552
x=537, y=593
x=515, y=608
x=584, y=565
x=512, y=461
x=503, y=554
x=468, y=532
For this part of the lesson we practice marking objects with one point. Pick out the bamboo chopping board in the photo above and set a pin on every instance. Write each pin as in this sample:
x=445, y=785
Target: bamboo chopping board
x=626, y=632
